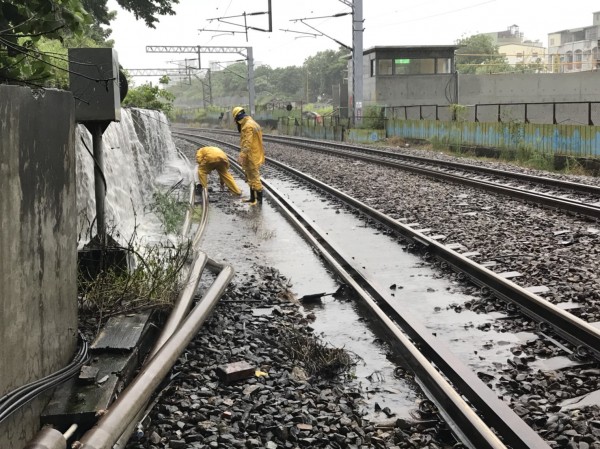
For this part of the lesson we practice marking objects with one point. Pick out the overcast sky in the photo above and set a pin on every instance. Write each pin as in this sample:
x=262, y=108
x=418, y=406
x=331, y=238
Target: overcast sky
x=387, y=22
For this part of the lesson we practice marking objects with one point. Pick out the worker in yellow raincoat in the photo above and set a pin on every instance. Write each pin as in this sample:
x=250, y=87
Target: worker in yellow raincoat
x=213, y=158
x=252, y=152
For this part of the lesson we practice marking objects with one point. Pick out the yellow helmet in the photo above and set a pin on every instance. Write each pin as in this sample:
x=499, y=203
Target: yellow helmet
x=236, y=111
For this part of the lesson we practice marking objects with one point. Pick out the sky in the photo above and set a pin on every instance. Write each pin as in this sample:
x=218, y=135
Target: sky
x=386, y=23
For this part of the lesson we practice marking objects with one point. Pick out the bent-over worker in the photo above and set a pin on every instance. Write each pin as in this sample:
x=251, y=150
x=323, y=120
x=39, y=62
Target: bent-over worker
x=213, y=158
x=252, y=152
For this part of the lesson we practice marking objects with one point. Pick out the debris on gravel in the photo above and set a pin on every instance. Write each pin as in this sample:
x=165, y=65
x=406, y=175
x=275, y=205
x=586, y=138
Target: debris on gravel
x=299, y=392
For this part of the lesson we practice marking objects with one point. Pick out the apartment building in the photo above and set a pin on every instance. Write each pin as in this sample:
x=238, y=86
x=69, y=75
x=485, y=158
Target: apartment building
x=575, y=50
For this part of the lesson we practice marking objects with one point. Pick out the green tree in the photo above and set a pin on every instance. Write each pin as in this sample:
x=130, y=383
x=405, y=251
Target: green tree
x=478, y=54
x=324, y=70
x=26, y=27
x=148, y=96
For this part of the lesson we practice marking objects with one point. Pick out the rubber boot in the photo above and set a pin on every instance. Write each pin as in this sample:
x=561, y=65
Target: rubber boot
x=259, y=196
x=252, y=199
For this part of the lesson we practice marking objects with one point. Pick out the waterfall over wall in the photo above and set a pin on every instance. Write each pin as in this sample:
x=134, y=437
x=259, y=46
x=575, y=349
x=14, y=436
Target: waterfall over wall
x=139, y=158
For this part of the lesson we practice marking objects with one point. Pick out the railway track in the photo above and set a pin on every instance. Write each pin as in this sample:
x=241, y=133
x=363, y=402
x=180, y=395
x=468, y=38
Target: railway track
x=584, y=337
x=572, y=197
x=496, y=414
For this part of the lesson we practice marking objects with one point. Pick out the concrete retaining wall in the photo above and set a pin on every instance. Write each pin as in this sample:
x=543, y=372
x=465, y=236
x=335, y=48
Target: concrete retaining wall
x=492, y=89
x=38, y=245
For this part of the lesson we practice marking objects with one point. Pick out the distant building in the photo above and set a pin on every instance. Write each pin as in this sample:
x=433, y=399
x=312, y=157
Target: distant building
x=390, y=71
x=512, y=45
x=511, y=35
x=575, y=50
x=527, y=52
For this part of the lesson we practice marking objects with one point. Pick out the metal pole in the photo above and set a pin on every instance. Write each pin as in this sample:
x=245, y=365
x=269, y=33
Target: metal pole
x=357, y=57
x=48, y=438
x=250, y=79
x=99, y=180
x=110, y=427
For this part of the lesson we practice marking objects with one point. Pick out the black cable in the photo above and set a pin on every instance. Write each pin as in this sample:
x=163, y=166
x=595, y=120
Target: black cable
x=16, y=399
x=96, y=164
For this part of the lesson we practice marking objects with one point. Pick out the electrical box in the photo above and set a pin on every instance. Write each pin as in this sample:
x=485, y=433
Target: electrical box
x=94, y=82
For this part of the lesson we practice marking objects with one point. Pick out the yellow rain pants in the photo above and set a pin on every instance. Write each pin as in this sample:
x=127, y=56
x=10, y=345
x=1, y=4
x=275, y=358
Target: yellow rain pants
x=213, y=158
x=252, y=152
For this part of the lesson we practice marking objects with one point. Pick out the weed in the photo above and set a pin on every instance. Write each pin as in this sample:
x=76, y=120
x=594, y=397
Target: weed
x=318, y=358
x=169, y=209
x=153, y=282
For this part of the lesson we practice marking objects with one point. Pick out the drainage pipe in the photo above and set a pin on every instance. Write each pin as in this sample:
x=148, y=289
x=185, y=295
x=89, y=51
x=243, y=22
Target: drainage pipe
x=50, y=438
x=106, y=432
x=183, y=304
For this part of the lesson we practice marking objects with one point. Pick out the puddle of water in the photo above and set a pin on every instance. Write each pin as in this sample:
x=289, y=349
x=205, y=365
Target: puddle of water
x=408, y=282
x=259, y=235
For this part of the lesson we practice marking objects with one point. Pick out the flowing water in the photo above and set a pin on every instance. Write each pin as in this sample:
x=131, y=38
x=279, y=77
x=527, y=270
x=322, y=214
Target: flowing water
x=139, y=158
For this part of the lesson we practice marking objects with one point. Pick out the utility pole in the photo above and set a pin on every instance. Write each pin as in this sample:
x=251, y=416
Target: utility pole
x=244, y=51
x=357, y=58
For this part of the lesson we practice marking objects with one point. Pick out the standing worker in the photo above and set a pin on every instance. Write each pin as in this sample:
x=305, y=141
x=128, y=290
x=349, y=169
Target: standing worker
x=252, y=152
x=213, y=158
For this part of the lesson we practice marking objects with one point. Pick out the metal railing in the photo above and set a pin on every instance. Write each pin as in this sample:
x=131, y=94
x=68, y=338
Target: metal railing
x=432, y=111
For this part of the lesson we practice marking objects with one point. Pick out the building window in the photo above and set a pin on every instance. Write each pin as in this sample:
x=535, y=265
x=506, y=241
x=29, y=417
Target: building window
x=402, y=66
x=552, y=41
x=384, y=67
x=444, y=65
x=373, y=67
x=578, y=58
x=534, y=54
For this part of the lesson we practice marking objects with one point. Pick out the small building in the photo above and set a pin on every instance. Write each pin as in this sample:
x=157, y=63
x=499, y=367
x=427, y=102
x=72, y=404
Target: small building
x=576, y=49
x=386, y=69
x=527, y=52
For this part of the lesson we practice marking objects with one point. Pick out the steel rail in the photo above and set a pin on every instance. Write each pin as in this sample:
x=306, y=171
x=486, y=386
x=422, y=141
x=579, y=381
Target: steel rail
x=425, y=351
x=565, y=324
x=422, y=351
x=573, y=206
x=569, y=205
x=568, y=326
x=550, y=182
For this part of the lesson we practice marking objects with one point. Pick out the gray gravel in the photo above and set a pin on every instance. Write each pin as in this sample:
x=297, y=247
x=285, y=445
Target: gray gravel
x=548, y=248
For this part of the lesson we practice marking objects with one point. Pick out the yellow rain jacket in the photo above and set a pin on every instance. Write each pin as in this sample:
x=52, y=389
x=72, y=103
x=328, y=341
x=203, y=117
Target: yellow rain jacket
x=213, y=158
x=210, y=155
x=252, y=152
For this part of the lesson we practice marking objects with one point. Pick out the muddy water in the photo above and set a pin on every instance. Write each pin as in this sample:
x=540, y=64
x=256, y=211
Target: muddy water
x=244, y=235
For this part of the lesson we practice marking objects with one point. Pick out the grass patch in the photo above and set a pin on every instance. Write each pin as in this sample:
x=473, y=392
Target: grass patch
x=317, y=358
x=169, y=208
x=153, y=282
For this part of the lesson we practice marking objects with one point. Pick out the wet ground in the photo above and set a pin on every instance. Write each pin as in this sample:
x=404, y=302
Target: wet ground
x=247, y=235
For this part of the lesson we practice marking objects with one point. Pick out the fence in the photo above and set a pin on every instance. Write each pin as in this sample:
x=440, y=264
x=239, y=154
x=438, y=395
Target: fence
x=582, y=113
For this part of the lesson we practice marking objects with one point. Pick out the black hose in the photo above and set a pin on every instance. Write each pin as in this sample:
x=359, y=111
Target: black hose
x=16, y=399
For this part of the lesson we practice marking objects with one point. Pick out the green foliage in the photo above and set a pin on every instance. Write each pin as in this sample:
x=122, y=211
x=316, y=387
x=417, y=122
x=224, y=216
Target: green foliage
x=148, y=96
x=30, y=29
x=314, y=79
x=458, y=111
x=324, y=70
x=373, y=118
x=24, y=24
x=154, y=283
x=169, y=210
x=478, y=54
